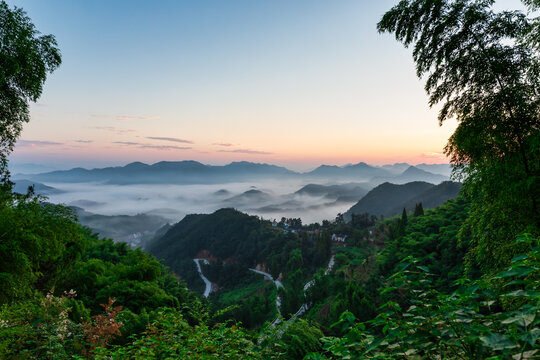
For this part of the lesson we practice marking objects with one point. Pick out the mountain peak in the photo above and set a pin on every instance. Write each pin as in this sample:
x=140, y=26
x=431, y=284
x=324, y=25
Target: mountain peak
x=136, y=165
x=360, y=165
x=414, y=170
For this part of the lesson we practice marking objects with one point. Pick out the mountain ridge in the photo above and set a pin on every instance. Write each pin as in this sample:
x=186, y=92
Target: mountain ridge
x=194, y=172
x=389, y=199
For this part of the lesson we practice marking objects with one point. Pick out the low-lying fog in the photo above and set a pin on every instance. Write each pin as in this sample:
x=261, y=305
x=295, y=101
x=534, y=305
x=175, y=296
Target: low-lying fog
x=268, y=199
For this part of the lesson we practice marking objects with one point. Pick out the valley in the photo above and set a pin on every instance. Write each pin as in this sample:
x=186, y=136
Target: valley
x=136, y=210
x=263, y=180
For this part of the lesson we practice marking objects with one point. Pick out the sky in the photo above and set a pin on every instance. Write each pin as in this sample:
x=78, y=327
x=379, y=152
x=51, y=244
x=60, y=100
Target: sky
x=294, y=83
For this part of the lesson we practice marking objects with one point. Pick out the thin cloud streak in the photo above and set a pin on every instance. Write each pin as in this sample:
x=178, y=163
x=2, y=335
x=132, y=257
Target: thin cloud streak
x=150, y=146
x=223, y=144
x=246, y=151
x=34, y=143
x=165, y=147
x=170, y=139
x=84, y=141
x=130, y=117
x=127, y=143
x=115, y=130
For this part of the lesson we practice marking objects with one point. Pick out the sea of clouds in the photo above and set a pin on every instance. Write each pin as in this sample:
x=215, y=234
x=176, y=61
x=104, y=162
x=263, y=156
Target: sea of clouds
x=275, y=200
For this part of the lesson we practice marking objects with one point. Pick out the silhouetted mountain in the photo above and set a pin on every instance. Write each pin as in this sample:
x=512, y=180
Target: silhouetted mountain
x=415, y=174
x=226, y=235
x=222, y=192
x=442, y=169
x=410, y=174
x=21, y=187
x=432, y=197
x=396, y=168
x=248, y=197
x=341, y=192
x=193, y=172
x=385, y=197
x=390, y=199
x=254, y=169
x=360, y=171
x=135, y=230
x=168, y=172
x=326, y=171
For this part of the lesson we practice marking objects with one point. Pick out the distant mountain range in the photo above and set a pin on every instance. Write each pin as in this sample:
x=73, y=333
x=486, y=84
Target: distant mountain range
x=193, y=172
x=413, y=174
x=390, y=199
x=168, y=172
x=358, y=171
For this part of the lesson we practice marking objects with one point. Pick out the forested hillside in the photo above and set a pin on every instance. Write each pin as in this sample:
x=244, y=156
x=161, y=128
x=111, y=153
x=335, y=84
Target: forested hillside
x=459, y=281
x=389, y=199
x=65, y=292
x=232, y=243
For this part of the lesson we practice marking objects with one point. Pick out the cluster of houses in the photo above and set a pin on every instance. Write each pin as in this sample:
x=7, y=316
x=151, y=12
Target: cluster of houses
x=337, y=239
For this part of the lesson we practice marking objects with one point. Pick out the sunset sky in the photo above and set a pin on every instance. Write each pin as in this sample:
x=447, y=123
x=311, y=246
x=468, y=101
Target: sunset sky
x=294, y=83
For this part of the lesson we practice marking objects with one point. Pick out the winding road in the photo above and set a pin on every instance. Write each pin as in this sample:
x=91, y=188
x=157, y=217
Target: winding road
x=278, y=285
x=206, y=281
x=305, y=306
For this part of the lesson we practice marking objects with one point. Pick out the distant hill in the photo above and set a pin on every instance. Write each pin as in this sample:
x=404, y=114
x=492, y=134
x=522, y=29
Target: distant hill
x=396, y=168
x=222, y=192
x=395, y=173
x=360, y=171
x=413, y=173
x=442, y=169
x=135, y=230
x=432, y=197
x=248, y=197
x=168, y=172
x=21, y=187
x=221, y=233
x=226, y=235
x=410, y=174
x=341, y=192
x=385, y=197
x=389, y=199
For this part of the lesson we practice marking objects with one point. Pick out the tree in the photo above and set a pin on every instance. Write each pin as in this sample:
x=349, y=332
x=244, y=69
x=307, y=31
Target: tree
x=418, y=210
x=404, y=217
x=532, y=37
x=402, y=224
x=26, y=57
x=476, y=66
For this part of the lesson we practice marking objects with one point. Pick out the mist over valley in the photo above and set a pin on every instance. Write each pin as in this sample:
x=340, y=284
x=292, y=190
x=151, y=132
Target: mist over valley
x=138, y=199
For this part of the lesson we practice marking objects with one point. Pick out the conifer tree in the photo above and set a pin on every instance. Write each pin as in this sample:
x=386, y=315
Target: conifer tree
x=418, y=210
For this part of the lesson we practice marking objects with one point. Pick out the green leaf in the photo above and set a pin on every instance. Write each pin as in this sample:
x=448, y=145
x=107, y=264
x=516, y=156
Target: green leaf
x=497, y=342
x=531, y=336
x=521, y=319
x=519, y=257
